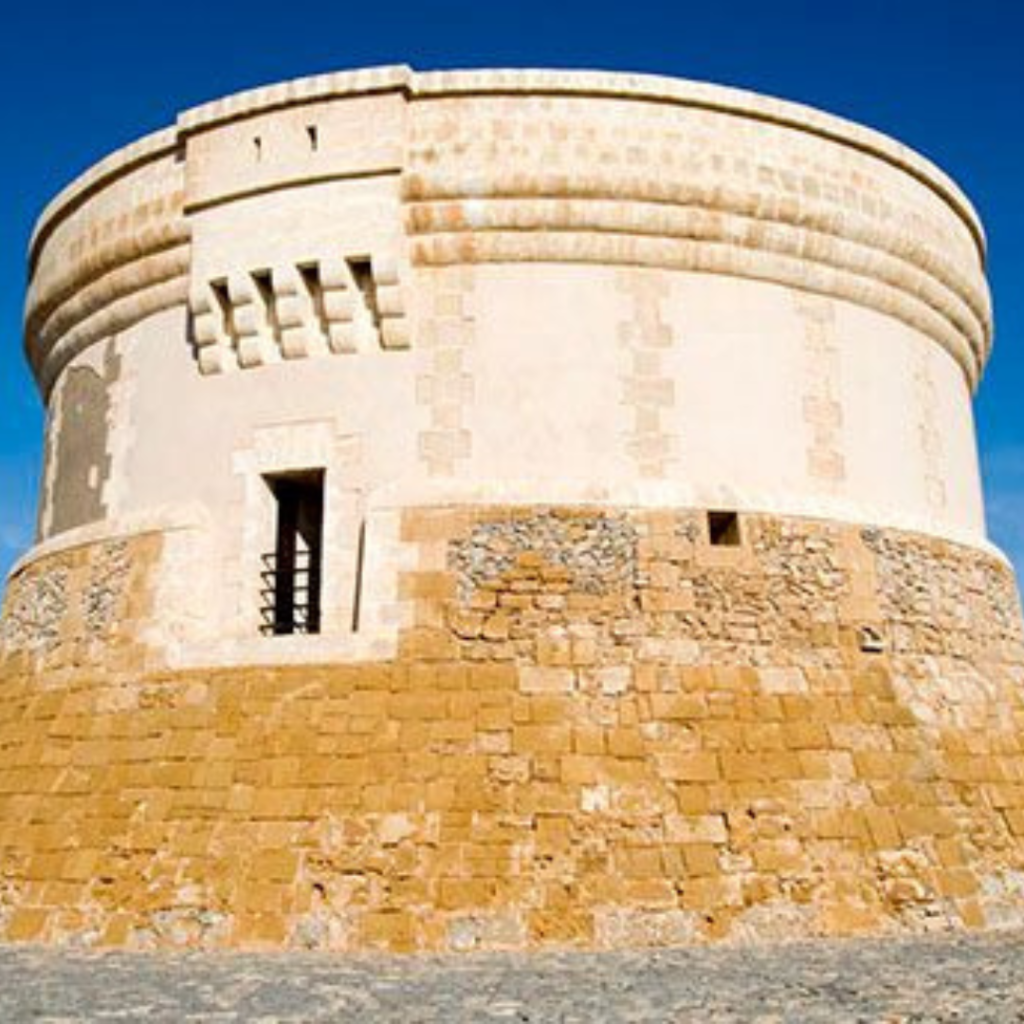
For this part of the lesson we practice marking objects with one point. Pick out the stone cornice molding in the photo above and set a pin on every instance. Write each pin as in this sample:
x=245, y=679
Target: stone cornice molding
x=113, y=246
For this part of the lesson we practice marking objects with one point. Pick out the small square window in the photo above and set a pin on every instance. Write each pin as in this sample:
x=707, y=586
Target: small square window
x=724, y=529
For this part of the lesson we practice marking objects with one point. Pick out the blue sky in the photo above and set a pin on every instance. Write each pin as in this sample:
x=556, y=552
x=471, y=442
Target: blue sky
x=79, y=79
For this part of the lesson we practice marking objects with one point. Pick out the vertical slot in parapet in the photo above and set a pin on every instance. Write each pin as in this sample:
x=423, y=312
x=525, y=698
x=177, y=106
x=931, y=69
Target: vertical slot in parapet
x=264, y=283
x=222, y=300
x=361, y=270
x=310, y=275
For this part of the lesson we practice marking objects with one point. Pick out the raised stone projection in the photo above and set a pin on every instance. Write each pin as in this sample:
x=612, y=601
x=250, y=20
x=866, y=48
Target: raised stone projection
x=496, y=509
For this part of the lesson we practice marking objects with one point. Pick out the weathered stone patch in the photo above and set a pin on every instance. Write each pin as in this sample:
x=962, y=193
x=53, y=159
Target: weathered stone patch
x=34, y=610
x=596, y=550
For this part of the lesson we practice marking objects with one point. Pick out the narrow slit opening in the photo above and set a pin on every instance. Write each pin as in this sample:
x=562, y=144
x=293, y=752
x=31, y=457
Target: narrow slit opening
x=310, y=275
x=264, y=283
x=361, y=269
x=357, y=588
x=222, y=297
x=314, y=137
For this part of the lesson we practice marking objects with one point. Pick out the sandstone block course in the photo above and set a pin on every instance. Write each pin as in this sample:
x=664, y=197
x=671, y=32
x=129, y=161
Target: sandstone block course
x=391, y=804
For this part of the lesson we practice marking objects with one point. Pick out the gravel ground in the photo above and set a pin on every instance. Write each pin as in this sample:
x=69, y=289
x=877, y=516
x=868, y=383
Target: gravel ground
x=975, y=980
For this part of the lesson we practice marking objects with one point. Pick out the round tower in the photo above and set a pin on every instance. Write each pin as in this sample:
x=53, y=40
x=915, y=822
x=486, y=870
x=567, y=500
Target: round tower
x=496, y=508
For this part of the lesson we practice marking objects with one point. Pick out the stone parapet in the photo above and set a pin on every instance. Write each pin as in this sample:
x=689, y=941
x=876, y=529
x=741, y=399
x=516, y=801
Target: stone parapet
x=517, y=166
x=108, y=252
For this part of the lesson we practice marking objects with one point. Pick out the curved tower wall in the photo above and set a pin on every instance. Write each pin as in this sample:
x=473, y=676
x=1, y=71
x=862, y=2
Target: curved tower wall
x=590, y=289
x=531, y=328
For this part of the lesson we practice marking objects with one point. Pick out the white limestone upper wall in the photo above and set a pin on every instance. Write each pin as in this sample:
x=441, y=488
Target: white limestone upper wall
x=496, y=167
x=525, y=287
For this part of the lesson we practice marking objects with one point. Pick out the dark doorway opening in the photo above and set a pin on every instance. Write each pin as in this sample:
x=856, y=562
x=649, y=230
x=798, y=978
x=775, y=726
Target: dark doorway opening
x=292, y=573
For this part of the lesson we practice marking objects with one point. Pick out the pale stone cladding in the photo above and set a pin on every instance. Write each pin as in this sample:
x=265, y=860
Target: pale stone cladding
x=590, y=288
x=657, y=605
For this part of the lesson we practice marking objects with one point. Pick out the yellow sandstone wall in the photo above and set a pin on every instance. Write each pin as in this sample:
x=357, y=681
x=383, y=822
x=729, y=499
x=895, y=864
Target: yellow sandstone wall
x=601, y=730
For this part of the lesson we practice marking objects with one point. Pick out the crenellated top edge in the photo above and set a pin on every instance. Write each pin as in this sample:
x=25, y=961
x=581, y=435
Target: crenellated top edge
x=434, y=84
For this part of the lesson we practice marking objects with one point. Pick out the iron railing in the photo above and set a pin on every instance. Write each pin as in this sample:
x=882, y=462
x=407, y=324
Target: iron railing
x=289, y=594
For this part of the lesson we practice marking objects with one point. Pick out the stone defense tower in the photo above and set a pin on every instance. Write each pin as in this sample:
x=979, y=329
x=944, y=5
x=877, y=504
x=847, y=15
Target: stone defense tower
x=501, y=508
